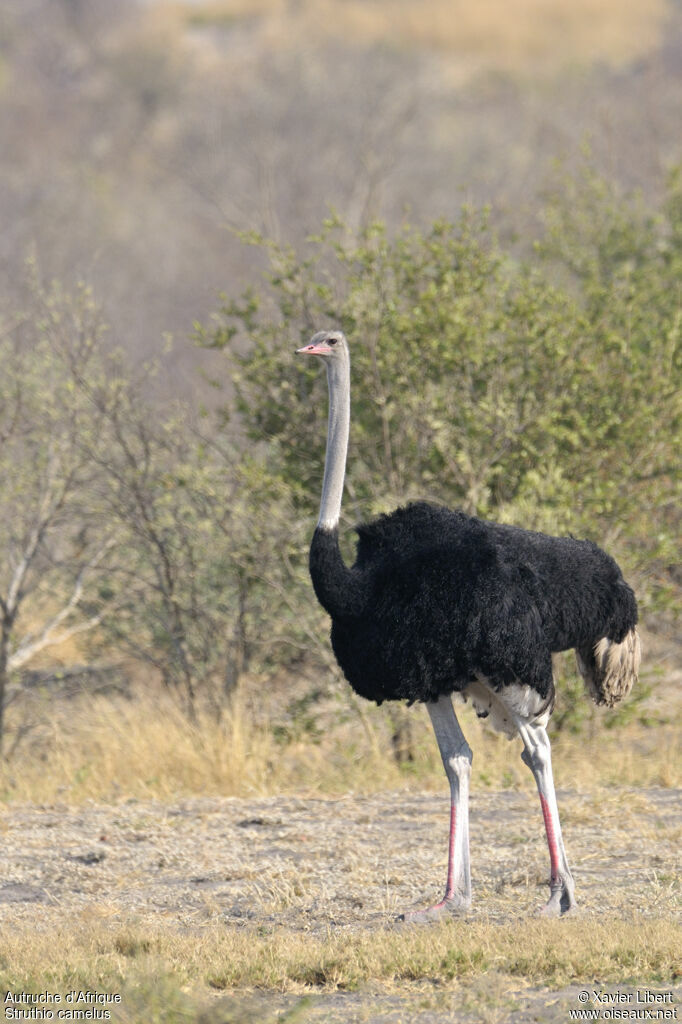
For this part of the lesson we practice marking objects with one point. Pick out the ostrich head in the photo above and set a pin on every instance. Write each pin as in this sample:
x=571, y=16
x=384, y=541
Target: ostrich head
x=329, y=345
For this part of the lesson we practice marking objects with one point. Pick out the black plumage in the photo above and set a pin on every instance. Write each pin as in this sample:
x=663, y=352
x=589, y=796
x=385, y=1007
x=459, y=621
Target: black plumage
x=437, y=598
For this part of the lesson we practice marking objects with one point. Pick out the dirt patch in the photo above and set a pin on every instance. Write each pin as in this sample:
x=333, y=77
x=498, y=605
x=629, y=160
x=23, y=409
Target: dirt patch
x=316, y=865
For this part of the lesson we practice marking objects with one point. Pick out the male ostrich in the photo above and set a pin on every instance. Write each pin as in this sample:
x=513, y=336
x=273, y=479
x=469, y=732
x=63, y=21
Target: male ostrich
x=441, y=603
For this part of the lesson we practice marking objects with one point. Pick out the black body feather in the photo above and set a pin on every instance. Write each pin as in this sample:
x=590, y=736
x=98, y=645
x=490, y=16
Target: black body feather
x=436, y=598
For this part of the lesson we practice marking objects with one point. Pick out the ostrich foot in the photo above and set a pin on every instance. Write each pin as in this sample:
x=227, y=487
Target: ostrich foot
x=561, y=901
x=449, y=906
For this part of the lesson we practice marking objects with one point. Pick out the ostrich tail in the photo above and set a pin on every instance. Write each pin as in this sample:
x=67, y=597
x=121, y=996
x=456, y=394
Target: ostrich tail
x=610, y=669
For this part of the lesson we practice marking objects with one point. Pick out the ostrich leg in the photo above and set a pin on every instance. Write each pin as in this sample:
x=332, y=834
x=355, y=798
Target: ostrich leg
x=537, y=755
x=457, y=756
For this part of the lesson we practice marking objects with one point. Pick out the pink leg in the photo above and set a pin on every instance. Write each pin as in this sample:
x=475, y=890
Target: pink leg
x=456, y=755
x=450, y=893
x=537, y=755
x=450, y=883
x=551, y=840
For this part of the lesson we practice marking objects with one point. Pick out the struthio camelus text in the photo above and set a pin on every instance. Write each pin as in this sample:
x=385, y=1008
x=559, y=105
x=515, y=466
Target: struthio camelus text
x=439, y=603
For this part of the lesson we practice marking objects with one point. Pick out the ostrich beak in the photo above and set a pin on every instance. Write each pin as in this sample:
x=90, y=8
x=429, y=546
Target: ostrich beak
x=314, y=350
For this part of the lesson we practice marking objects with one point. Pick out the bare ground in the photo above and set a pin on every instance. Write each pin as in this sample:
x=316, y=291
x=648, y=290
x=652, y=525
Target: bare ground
x=315, y=865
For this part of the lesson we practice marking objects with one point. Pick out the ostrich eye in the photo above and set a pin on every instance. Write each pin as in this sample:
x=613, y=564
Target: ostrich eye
x=333, y=341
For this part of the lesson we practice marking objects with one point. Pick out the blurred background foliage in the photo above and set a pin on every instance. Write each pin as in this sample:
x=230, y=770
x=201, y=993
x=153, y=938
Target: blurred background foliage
x=490, y=207
x=543, y=390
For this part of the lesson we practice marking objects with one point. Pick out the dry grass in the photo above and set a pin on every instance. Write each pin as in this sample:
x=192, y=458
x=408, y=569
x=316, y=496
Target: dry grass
x=201, y=907
x=106, y=748
x=519, y=36
x=91, y=953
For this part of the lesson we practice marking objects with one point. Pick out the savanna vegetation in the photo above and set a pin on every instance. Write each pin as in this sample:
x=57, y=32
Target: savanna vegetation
x=539, y=387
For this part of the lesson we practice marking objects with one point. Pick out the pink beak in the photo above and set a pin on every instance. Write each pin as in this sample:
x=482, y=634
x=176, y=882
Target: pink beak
x=314, y=350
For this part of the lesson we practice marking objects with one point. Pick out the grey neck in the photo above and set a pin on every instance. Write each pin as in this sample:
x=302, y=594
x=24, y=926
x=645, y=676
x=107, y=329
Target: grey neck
x=338, y=379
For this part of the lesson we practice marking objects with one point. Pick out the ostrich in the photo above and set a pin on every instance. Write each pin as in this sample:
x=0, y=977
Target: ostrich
x=441, y=604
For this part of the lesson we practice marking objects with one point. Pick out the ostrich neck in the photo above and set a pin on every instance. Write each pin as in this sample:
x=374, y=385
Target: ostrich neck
x=338, y=379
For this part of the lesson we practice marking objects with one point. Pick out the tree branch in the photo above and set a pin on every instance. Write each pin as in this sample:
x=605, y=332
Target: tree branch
x=51, y=635
x=48, y=507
